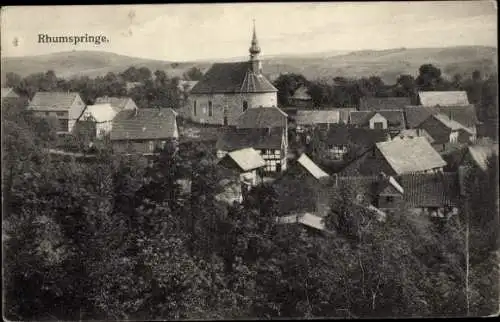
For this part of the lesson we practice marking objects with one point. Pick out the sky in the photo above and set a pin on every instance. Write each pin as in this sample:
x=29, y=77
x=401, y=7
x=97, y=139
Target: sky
x=185, y=32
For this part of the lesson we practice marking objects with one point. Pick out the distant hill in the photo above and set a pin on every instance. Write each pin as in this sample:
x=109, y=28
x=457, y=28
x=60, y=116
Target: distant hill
x=388, y=64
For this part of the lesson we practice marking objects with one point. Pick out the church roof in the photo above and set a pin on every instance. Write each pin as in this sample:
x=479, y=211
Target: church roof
x=232, y=78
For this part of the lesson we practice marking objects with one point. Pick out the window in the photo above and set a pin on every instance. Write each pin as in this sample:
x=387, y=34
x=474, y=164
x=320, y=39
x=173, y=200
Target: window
x=389, y=199
x=210, y=109
x=163, y=143
x=245, y=106
x=378, y=125
x=263, y=151
x=151, y=146
x=63, y=125
x=194, y=108
x=46, y=113
x=60, y=113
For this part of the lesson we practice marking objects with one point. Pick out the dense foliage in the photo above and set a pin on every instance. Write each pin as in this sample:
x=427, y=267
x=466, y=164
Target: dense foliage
x=121, y=238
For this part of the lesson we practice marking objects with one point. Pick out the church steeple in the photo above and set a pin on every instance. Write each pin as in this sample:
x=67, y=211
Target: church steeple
x=254, y=53
x=254, y=48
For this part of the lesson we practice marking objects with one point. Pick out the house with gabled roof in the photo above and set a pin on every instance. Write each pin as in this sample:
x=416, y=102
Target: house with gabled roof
x=445, y=131
x=383, y=103
x=433, y=194
x=392, y=120
x=65, y=107
x=246, y=162
x=398, y=157
x=119, y=103
x=465, y=115
x=443, y=98
x=270, y=142
x=340, y=139
x=321, y=118
x=228, y=89
x=144, y=131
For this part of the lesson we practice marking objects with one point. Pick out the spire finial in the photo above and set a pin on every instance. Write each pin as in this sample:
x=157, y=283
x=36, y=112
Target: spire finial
x=254, y=48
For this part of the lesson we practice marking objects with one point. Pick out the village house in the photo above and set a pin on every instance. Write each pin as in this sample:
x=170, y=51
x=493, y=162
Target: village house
x=392, y=120
x=445, y=131
x=119, y=103
x=65, y=107
x=271, y=143
x=432, y=194
x=383, y=103
x=301, y=97
x=299, y=188
x=341, y=138
x=143, y=131
x=397, y=157
x=99, y=118
x=389, y=195
x=229, y=89
x=475, y=157
x=445, y=98
x=247, y=165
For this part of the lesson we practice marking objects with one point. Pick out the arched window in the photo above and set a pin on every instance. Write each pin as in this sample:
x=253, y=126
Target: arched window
x=245, y=106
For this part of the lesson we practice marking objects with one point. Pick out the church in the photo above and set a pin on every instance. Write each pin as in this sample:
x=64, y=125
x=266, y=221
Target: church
x=229, y=89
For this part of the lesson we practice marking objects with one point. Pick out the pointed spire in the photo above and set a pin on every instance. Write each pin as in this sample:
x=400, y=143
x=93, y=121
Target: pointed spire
x=254, y=48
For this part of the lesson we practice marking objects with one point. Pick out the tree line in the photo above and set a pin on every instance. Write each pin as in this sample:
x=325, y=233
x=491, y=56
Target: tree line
x=120, y=238
x=343, y=92
x=154, y=89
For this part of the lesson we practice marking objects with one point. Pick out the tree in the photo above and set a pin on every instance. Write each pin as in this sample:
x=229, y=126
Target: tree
x=287, y=84
x=193, y=74
x=429, y=78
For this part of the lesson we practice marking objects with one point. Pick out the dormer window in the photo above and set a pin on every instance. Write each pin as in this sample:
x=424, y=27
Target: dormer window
x=245, y=106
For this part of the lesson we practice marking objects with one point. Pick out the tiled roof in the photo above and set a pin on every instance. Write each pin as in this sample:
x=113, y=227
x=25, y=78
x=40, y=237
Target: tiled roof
x=247, y=159
x=310, y=117
x=144, y=124
x=8, y=92
x=410, y=155
x=451, y=124
x=233, y=139
x=232, y=78
x=342, y=135
x=465, y=114
x=101, y=112
x=383, y=103
x=53, y=101
x=415, y=115
x=395, y=118
x=311, y=167
x=481, y=153
x=431, y=190
x=301, y=94
x=262, y=117
x=118, y=102
x=448, y=98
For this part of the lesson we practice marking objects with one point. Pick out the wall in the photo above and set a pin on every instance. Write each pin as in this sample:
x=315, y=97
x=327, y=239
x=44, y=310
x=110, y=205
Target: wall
x=376, y=119
x=103, y=127
x=233, y=103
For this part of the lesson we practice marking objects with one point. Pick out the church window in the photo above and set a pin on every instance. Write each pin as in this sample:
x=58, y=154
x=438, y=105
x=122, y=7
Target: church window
x=210, y=109
x=245, y=106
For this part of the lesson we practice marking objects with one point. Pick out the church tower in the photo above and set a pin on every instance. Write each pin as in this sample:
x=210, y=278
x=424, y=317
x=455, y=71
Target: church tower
x=254, y=53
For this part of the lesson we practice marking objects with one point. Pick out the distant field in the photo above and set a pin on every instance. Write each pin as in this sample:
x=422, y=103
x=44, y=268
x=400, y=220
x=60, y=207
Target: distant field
x=387, y=64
